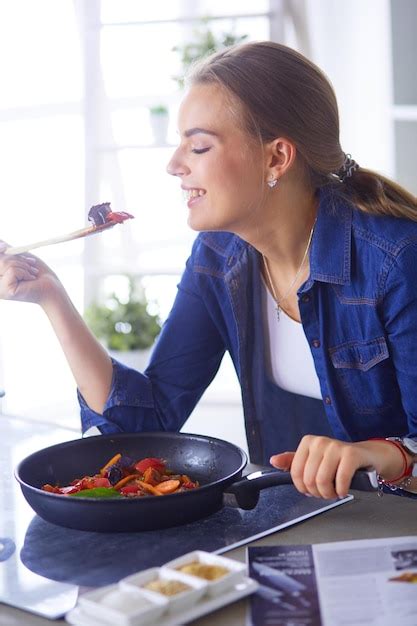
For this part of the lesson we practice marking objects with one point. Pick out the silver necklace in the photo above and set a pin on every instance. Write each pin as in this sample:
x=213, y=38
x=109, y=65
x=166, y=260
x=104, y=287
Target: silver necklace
x=279, y=301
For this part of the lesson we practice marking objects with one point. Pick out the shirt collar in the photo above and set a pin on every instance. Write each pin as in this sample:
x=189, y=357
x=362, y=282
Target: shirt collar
x=330, y=256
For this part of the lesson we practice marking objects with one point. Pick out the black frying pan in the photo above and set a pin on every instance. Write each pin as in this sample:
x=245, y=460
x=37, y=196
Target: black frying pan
x=216, y=464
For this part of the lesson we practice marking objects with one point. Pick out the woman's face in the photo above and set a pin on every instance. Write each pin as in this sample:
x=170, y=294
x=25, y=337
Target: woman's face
x=220, y=167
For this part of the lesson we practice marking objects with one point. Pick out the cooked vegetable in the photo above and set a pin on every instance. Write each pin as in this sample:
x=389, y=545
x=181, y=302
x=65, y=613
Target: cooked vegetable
x=124, y=477
x=144, y=464
x=168, y=486
x=99, y=492
x=112, y=461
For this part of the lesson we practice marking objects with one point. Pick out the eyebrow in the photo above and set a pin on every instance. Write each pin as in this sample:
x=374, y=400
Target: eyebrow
x=195, y=131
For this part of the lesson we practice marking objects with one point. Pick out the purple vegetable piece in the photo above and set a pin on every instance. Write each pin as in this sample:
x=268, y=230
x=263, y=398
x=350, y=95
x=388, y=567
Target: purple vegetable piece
x=114, y=474
x=126, y=461
x=98, y=213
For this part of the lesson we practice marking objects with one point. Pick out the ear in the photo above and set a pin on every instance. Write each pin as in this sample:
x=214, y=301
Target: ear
x=280, y=157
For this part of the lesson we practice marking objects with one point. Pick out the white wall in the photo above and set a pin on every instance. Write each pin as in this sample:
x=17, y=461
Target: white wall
x=351, y=42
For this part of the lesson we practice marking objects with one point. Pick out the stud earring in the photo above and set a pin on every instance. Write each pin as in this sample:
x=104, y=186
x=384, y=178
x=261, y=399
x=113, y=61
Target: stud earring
x=272, y=183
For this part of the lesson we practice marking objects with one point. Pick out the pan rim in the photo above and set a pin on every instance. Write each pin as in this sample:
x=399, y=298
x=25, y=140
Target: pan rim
x=147, y=434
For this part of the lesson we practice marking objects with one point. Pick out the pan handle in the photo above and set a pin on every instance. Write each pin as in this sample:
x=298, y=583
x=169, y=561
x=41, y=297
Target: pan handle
x=245, y=492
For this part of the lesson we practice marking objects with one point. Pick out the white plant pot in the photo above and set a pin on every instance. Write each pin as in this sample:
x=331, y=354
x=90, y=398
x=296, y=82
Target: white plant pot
x=136, y=359
x=159, y=123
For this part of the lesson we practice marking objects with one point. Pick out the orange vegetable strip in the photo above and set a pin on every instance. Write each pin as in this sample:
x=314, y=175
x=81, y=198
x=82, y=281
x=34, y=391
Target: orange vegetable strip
x=167, y=486
x=125, y=480
x=112, y=461
x=149, y=488
x=151, y=476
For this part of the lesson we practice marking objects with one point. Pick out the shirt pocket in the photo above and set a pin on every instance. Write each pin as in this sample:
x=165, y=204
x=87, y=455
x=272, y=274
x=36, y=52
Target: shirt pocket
x=365, y=374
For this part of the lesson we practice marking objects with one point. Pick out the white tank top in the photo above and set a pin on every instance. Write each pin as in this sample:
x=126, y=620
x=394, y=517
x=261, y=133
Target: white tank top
x=289, y=361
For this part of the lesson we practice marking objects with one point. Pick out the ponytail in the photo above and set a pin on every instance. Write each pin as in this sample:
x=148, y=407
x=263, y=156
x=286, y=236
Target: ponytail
x=373, y=193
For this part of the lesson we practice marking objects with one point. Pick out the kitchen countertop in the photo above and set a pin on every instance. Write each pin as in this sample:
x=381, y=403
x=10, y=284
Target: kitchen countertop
x=367, y=516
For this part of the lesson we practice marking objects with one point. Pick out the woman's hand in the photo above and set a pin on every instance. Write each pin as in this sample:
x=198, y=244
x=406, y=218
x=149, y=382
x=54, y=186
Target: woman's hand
x=25, y=278
x=324, y=467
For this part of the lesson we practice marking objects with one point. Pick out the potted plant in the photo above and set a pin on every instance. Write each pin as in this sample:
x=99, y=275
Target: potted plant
x=127, y=329
x=159, y=120
x=205, y=42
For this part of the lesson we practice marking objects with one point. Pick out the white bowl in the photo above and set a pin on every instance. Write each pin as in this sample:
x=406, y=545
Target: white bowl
x=122, y=607
x=237, y=570
x=178, y=602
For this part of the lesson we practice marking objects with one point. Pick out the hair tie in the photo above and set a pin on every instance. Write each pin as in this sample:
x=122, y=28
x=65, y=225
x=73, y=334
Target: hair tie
x=349, y=166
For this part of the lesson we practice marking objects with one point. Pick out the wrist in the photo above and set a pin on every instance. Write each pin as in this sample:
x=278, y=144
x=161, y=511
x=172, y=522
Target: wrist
x=396, y=466
x=54, y=299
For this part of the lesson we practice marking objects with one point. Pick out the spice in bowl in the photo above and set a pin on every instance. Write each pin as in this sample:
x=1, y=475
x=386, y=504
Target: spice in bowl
x=167, y=587
x=204, y=570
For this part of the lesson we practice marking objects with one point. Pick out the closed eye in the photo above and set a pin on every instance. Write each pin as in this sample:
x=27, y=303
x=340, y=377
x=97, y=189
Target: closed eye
x=200, y=150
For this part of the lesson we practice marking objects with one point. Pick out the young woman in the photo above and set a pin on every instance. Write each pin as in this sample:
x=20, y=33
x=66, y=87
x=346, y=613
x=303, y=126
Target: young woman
x=303, y=270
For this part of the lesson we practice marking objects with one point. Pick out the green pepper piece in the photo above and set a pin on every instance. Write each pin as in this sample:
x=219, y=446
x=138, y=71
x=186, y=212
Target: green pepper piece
x=97, y=492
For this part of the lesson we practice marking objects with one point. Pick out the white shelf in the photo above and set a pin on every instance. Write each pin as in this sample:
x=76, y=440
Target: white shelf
x=405, y=113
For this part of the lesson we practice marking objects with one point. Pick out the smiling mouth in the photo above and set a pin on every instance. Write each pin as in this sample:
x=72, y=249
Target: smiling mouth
x=194, y=193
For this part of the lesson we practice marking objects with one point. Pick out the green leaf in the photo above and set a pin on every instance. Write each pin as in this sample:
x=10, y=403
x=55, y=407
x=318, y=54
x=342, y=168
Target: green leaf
x=97, y=492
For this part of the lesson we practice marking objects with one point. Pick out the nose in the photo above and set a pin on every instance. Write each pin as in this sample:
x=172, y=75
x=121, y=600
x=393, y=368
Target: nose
x=176, y=167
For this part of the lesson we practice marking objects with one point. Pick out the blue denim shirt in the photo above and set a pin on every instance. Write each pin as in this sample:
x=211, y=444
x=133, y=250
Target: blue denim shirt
x=359, y=312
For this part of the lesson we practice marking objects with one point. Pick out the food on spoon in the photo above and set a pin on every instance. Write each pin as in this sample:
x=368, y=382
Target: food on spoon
x=125, y=477
x=204, y=570
x=167, y=587
x=101, y=217
x=101, y=214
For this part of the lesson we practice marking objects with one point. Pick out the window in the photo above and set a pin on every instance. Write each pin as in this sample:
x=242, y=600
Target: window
x=127, y=57
x=42, y=187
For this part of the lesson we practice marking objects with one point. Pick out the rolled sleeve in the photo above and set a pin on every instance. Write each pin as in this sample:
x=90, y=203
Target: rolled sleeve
x=129, y=407
x=184, y=361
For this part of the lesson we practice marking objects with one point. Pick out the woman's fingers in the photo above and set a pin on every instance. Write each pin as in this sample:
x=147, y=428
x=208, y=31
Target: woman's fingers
x=11, y=280
x=20, y=264
x=6, y=264
x=326, y=473
x=14, y=270
x=321, y=466
x=298, y=464
x=324, y=467
x=282, y=461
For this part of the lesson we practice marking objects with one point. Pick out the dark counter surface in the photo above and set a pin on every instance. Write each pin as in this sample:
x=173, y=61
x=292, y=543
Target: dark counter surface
x=366, y=516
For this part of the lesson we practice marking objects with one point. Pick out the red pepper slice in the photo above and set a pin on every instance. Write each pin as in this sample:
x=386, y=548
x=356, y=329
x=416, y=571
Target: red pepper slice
x=158, y=464
x=50, y=488
x=118, y=216
x=67, y=490
x=189, y=485
x=133, y=488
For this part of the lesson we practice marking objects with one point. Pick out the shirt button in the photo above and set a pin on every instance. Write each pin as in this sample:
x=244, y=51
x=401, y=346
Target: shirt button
x=316, y=343
x=305, y=298
x=327, y=400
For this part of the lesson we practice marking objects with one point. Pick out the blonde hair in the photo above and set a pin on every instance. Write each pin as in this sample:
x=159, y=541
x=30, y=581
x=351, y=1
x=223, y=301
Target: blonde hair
x=283, y=93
